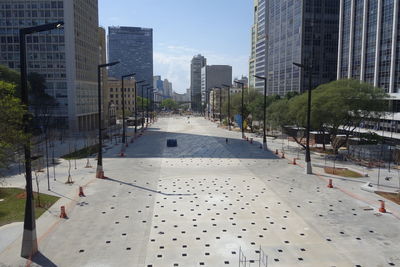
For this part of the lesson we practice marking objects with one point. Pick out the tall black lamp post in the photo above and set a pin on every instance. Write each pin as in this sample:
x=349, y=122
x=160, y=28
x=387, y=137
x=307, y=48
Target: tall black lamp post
x=148, y=106
x=265, y=112
x=242, y=109
x=99, y=170
x=220, y=105
x=229, y=105
x=29, y=241
x=308, y=157
x=143, y=85
x=123, y=106
x=136, y=110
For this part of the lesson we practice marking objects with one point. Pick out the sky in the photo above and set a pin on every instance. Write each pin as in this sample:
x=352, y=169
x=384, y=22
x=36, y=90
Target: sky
x=220, y=30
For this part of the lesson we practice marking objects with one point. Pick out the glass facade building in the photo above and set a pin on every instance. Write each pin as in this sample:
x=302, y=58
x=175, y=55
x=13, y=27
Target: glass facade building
x=290, y=31
x=133, y=48
x=66, y=57
x=196, y=64
x=369, y=42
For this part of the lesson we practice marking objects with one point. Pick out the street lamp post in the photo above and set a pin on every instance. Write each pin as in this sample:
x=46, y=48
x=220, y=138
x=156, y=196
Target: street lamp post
x=143, y=85
x=308, y=157
x=99, y=170
x=242, y=109
x=123, y=107
x=229, y=105
x=29, y=241
x=136, y=113
x=265, y=112
x=220, y=105
x=148, y=106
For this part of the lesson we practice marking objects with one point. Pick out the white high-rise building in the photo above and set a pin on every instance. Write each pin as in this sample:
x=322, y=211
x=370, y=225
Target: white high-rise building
x=66, y=57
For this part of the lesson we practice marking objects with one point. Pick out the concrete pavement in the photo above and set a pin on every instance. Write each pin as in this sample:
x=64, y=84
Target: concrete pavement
x=198, y=203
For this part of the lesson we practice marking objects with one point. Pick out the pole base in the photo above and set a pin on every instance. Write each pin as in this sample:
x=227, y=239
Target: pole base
x=99, y=172
x=265, y=147
x=29, y=243
x=308, y=167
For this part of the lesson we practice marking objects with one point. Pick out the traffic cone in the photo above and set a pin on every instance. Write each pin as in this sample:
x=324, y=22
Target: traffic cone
x=63, y=214
x=330, y=184
x=382, y=208
x=81, y=194
x=294, y=161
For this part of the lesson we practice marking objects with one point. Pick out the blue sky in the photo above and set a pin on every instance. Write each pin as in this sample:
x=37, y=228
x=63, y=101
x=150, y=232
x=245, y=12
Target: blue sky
x=217, y=29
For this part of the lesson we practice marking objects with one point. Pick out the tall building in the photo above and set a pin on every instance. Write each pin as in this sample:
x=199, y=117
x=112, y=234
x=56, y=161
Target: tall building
x=304, y=31
x=197, y=63
x=114, y=94
x=212, y=76
x=167, y=88
x=67, y=57
x=133, y=48
x=369, y=43
x=261, y=42
x=158, y=84
x=252, y=60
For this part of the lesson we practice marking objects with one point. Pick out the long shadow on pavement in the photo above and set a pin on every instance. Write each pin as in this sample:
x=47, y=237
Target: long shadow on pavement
x=144, y=188
x=152, y=144
x=42, y=260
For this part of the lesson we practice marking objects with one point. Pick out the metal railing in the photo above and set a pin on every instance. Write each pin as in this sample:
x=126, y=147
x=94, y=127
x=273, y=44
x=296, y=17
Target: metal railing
x=262, y=259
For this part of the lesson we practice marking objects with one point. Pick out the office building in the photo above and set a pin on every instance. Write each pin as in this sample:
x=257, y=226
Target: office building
x=369, y=43
x=67, y=57
x=196, y=64
x=167, y=88
x=304, y=31
x=114, y=94
x=158, y=84
x=133, y=48
x=252, y=60
x=212, y=76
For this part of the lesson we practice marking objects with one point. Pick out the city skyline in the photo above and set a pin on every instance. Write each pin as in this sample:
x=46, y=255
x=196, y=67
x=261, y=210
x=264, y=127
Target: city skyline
x=175, y=43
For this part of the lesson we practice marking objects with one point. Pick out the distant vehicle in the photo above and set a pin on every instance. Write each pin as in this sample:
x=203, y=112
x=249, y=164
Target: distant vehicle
x=132, y=122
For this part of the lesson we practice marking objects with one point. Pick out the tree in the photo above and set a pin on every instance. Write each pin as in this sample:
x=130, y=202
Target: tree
x=42, y=104
x=341, y=106
x=169, y=104
x=336, y=107
x=12, y=136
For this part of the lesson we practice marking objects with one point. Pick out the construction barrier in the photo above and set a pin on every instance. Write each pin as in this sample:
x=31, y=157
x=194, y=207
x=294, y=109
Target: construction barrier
x=63, y=214
x=382, y=208
x=330, y=185
x=81, y=194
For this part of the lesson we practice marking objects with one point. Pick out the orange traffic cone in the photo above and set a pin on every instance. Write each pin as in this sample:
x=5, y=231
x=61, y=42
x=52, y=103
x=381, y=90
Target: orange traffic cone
x=63, y=214
x=382, y=208
x=330, y=185
x=81, y=194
